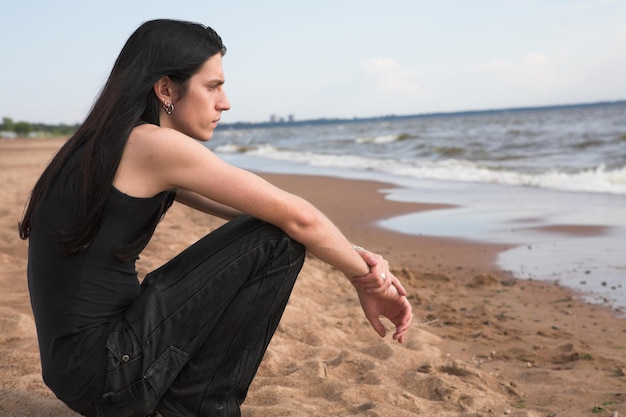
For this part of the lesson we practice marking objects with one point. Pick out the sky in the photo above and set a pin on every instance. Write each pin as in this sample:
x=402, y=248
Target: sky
x=330, y=58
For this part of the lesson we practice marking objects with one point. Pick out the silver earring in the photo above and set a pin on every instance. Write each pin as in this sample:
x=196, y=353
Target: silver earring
x=169, y=107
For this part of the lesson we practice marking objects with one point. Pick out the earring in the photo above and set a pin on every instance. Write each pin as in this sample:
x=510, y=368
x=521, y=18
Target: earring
x=169, y=107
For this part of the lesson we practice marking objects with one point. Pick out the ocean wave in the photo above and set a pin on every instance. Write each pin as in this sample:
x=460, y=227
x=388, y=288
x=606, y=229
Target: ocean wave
x=385, y=138
x=597, y=180
x=236, y=148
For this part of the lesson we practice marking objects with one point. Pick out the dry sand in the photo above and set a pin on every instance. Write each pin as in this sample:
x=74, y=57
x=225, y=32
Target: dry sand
x=482, y=343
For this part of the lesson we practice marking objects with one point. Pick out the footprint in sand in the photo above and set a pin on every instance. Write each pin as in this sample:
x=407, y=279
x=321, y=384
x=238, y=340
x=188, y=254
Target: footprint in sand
x=381, y=351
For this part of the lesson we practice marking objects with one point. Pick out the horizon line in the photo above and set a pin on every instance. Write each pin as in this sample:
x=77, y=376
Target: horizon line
x=415, y=115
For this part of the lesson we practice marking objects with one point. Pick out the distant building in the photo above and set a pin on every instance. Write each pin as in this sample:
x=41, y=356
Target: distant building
x=274, y=118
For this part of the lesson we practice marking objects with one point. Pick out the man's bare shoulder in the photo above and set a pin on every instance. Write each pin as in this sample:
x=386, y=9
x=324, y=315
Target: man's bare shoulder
x=153, y=141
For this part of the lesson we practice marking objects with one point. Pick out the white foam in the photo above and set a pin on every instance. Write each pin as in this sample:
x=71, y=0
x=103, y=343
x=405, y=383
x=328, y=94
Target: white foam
x=598, y=180
x=377, y=139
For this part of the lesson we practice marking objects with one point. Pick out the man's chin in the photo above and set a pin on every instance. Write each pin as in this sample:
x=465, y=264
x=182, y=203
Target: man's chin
x=204, y=137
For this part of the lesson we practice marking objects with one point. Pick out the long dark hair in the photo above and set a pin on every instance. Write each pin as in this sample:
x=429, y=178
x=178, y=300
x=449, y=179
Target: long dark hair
x=158, y=48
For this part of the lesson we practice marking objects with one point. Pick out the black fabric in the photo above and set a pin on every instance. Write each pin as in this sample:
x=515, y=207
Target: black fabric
x=75, y=298
x=192, y=342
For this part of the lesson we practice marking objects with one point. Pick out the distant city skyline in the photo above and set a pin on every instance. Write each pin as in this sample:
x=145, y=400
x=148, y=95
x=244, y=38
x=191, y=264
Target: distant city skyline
x=340, y=59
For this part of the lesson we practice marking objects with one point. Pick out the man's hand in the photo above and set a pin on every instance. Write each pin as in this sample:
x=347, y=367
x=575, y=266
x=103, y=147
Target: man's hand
x=382, y=294
x=380, y=277
x=389, y=304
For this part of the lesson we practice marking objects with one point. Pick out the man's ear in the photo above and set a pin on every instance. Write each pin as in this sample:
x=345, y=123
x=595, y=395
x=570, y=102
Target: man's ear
x=164, y=90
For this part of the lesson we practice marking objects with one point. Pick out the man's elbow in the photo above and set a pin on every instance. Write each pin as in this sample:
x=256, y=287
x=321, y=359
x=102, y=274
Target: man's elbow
x=304, y=223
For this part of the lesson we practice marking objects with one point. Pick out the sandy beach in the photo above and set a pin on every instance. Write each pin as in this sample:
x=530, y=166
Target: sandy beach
x=481, y=344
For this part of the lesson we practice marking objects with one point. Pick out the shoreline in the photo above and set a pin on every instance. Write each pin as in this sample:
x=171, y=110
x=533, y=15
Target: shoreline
x=553, y=243
x=482, y=343
x=575, y=238
x=426, y=252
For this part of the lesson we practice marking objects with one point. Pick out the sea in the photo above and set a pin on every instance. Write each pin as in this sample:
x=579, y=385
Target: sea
x=509, y=174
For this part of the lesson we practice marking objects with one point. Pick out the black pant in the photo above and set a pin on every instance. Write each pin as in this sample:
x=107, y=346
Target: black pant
x=192, y=342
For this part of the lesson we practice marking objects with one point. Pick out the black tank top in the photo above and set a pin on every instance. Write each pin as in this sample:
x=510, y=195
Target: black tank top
x=75, y=298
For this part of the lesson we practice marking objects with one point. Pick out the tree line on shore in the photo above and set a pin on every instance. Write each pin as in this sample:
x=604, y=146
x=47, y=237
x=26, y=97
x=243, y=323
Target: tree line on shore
x=25, y=129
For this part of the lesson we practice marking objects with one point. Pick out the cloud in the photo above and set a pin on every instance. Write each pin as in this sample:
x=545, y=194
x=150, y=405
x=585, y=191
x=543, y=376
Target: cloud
x=533, y=71
x=391, y=78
